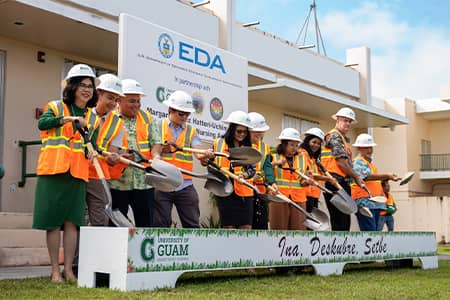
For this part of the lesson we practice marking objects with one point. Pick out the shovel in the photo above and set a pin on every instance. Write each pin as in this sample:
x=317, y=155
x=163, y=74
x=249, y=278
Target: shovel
x=216, y=182
x=114, y=215
x=317, y=220
x=407, y=178
x=379, y=199
x=239, y=156
x=160, y=174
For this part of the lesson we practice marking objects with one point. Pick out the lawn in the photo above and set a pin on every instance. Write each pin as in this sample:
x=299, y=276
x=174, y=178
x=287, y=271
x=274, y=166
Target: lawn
x=365, y=281
x=443, y=249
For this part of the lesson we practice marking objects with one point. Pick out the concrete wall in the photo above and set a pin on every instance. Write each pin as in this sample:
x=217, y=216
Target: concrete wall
x=266, y=50
x=28, y=85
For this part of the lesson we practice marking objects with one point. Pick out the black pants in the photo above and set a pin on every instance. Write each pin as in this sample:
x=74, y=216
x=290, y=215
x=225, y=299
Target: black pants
x=339, y=220
x=141, y=202
x=186, y=203
x=311, y=202
x=260, y=214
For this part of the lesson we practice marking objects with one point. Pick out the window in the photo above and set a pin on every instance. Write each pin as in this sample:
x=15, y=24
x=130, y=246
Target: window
x=300, y=124
x=426, y=146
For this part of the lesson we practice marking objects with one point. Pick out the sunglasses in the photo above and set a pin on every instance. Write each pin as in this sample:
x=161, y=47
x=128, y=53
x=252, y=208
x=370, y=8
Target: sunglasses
x=241, y=131
x=182, y=113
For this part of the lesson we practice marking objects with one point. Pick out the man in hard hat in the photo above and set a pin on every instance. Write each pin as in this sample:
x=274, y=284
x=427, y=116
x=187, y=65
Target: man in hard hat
x=336, y=157
x=366, y=170
x=142, y=135
x=108, y=137
x=260, y=208
x=175, y=129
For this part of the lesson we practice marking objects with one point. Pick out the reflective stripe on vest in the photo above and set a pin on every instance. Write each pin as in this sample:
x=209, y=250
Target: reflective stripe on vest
x=373, y=185
x=63, y=148
x=264, y=149
x=144, y=123
x=180, y=159
x=107, y=133
x=311, y=165
x=288, y=182
x=327, y=158
x=220, y=145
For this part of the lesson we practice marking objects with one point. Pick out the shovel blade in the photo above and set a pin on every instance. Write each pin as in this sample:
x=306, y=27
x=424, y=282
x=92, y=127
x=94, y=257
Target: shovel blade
x=407, y=178
x=347, y=206
x=221, y=189
x=244, y=156
x=316, y=226
x=365, y=211
x=118, y=218
x=165, y=177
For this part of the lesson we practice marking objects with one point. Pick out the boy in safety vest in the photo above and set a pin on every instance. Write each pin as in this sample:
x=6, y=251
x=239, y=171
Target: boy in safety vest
x=108, y=137
x=336, y=157
x=387, y=216
x=260, y=209
x=175, y=129
x=142, y=135
x=367, y=171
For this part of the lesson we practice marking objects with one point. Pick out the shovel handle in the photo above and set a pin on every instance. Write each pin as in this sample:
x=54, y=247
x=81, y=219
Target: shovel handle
x=315, y=183
x=95, y=162
x=126, y=161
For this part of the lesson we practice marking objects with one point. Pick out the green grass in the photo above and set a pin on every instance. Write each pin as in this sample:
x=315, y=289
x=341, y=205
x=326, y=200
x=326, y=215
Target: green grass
x=365, y=281
x=444, y=249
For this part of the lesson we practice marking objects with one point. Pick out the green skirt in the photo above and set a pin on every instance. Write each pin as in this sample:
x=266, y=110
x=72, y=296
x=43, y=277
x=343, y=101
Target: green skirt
x=59, y=198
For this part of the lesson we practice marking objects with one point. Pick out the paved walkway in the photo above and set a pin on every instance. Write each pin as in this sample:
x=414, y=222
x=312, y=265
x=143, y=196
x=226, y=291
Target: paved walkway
x=44, y=271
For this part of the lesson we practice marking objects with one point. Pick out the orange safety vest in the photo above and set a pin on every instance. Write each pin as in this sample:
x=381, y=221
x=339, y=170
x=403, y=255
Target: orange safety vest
x=327, y=158
x=288, y=182
x=108, y=132
x=63, y=149
x=389, y=202
x=373, y=185
x=311, y=165
x=264, y=149
x=182, y=160
x=220, y=145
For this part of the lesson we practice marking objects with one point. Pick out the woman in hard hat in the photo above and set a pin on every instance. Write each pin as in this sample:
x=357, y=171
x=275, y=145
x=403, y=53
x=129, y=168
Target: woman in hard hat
x=109, y=137
x=282, y=215
x=63, y=168
x=236, y=210
x=366, y=170
x=260, y=208
x=311, y=149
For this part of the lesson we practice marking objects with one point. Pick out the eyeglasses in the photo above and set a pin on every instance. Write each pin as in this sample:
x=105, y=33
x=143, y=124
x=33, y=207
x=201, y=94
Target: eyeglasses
x=241, y=131
x=85, y=86
x=183, y=114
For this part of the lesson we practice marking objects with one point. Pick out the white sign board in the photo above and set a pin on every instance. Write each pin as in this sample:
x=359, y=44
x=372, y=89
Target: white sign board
x=148, y=258
x=164, y=61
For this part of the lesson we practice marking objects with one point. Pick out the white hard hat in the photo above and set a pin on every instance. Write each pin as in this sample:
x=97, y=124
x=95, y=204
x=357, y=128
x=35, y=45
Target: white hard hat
x=181, y=101
x=110, y=83
x=239, y=117
x=291, y=134
x=80, y=70
x=131, y=86
x=317, y=132
x=364, y=140
x=346, y=113
x=258, y=122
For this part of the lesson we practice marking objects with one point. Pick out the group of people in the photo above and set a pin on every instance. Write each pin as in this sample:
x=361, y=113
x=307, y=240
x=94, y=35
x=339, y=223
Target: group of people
x=110, y=111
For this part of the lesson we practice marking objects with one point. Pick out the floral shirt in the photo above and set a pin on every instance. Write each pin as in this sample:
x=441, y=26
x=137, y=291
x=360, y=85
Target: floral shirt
x=132, y=178
x=362, y=169
x=336, y=144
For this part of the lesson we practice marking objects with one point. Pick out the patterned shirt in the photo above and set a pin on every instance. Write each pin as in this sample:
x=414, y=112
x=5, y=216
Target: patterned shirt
x=132, y=178
x=362, y=169
x=335, y=143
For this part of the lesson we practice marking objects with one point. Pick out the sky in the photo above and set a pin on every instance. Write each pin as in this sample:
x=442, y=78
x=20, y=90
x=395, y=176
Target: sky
x=409, y=39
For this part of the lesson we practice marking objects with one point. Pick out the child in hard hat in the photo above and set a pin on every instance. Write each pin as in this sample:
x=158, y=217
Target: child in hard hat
x=366, y=170
x=387, y=216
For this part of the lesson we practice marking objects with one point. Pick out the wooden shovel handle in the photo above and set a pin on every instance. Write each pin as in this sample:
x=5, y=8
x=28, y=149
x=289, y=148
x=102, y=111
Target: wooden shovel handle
x=126, y=161
x=95, y=162
x=339, y=187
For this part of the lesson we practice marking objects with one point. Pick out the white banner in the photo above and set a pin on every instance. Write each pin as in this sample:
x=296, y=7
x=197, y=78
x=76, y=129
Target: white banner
x=164, y=61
